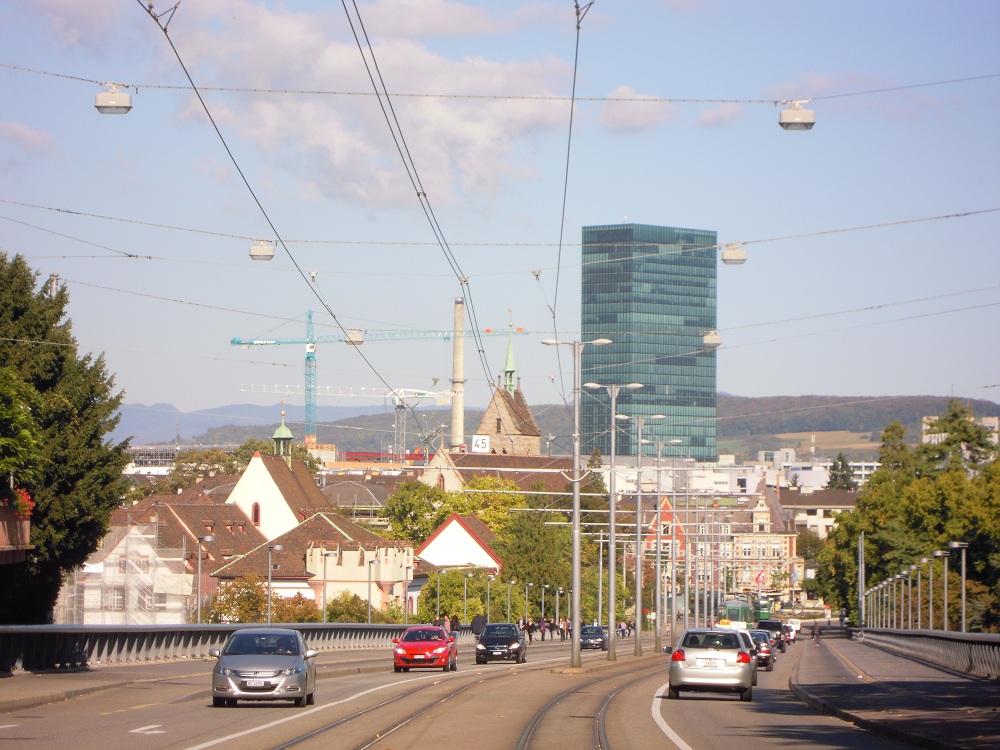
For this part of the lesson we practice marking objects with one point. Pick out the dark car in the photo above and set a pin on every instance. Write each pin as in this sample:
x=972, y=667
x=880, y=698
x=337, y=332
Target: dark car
x=776, y=627
x=765, y=644
x=501, y=641
x=264, y=664
x=593, y=636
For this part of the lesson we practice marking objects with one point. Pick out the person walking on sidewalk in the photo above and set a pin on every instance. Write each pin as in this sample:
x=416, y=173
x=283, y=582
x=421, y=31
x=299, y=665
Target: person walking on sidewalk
x=816, y=633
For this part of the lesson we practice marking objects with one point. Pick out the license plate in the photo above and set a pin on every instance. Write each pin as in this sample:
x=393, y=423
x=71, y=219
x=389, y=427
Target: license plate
x=710, y=663
x=498, y=653
x=255, y=683
x=418, y=656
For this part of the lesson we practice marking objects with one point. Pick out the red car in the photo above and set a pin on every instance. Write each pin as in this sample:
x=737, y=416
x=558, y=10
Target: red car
x=425, y=646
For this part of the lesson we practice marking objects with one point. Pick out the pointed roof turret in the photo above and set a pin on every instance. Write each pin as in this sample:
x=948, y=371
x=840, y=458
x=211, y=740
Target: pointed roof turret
x=509, y=383
x=282, y=440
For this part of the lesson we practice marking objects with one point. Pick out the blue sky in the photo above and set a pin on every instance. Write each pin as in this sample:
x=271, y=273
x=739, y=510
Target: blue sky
x=853, y=286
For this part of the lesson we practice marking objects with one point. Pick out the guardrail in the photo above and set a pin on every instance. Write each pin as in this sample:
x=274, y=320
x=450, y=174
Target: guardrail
x=45, y=647
x=974, y=654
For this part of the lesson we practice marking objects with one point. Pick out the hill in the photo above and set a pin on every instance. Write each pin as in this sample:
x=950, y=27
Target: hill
x=746, y=425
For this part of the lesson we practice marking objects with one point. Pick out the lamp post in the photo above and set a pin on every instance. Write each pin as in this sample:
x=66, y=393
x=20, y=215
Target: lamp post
x=943, y=553
x=489, y=580
x=270, y=549
x=526, y=587
x=325, y=556
x=370, y=563
x=509, y=584
x=909, y=594
x=406, y=595
x=437, y=614
x=920, y=595
x=640, y=422
x=962, y=546
x=559, y=590
x=576, y=582
x=201, y=541
x=465, y=596
x=613, y=391
x=544, y=587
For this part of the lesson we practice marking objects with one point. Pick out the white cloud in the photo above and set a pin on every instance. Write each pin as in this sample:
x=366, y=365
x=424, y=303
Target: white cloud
x=25, y=139
x=641, y=112
x=719, y=115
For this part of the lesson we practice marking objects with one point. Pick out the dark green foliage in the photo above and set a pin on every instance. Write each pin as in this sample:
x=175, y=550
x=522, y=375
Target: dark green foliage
x=76, y=476
x=841, y=475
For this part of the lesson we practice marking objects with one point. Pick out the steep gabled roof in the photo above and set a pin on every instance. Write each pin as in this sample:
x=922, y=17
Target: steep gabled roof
x=233, y=532
x=328, y=531
x=296, y=486
x=520, y=412
x=474, y=527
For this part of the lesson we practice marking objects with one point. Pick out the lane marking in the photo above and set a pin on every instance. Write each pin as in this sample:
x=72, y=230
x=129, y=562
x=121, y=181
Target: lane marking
x=151, y=729
x=661, y=722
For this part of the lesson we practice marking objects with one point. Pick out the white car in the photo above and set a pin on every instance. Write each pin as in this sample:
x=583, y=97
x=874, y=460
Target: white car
x=795, y=623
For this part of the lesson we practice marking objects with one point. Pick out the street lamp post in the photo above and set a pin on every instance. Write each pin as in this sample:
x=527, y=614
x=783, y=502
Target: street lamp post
x=576, y=582
x=489, y=580
x=201, y=541
x=325, y=556
x=406, y=595
x=437, y=614
x=370, y=563
x=962, y=546
x=526, y=586
x=613, y=391
x=640, y=422
x=465, y=597
x=509, y=584
x=943, y=553
x=909, y=595
x=559, y=590
x=544, y=587
x=270, y=549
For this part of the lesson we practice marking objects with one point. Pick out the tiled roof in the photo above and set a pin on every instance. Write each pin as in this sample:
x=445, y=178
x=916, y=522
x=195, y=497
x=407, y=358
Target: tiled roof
x=544, y=473
x=233, y=532
x=818, y=499
x=296, y=486
x=328, y=531
x=517, y=405
x=361, y=491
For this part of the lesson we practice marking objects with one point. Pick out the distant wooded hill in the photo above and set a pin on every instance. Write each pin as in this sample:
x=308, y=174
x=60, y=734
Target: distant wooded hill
x=745, y=425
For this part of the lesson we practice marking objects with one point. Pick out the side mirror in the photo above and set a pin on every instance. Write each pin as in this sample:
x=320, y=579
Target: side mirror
x=214, y=653
x=395, y=640
x=312, y=653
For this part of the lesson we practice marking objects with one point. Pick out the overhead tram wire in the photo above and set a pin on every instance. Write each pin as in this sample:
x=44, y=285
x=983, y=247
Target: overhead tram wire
x=580, y=13
x=169, y=13
x=396, y=131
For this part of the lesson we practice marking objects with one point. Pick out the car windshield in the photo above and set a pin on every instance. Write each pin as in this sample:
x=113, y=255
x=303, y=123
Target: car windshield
x=423, y=635
x=269, y=644
x=591, y=630
x=507, y=631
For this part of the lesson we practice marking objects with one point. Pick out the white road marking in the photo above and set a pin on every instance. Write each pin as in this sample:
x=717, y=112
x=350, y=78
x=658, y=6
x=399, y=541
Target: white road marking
x=658, y=718
x=151, y=729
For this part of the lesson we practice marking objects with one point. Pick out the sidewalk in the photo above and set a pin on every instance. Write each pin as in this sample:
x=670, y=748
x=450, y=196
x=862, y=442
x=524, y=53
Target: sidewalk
x=896, y=696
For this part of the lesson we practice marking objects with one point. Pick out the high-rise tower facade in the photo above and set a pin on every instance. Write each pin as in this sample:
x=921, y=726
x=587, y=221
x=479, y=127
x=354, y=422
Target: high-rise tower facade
x=652, y=291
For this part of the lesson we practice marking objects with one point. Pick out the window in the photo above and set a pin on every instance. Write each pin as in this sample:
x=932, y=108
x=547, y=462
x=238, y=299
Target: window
x=133, y=564
x=255, y=514
x=499, y=425
x=115, y=598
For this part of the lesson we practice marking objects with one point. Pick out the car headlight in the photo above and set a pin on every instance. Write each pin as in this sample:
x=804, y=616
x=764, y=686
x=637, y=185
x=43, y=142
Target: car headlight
x=224, y=671
x=480, y=647
x=292, y=670
x=401, y=651
x=440, y=650
x=515, y=645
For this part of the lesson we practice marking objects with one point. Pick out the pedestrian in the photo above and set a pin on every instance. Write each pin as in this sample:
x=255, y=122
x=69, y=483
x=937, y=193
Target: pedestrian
x=478, y=623
x=446, y=624
x=541, y=628
x=816, y=632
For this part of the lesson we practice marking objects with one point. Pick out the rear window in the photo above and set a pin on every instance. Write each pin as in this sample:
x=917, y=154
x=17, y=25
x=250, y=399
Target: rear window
x=711, y=640
x=770, y=624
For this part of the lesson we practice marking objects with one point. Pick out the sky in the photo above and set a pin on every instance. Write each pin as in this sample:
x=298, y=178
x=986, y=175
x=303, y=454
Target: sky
x=870, y=270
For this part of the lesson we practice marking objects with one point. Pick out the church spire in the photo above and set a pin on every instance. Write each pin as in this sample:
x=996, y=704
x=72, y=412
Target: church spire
x=508, y=368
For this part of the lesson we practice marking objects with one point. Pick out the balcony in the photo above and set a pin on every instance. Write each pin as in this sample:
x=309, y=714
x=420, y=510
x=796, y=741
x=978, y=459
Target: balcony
x=15, y=536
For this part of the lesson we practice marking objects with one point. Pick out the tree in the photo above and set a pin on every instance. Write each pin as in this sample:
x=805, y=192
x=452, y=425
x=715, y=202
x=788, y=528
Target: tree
x=294, y=609
x=961, y=443
x=809, y=545
x=243, y=600
x=19, y=450
x=413, y=511
x=841, y=475
x=75, y=477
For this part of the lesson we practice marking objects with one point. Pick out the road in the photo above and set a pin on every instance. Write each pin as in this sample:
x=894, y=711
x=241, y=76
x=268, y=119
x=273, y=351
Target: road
x=538, y=704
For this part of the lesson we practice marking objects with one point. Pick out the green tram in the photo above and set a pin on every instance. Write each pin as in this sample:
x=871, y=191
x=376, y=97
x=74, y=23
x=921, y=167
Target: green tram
x=744, y=614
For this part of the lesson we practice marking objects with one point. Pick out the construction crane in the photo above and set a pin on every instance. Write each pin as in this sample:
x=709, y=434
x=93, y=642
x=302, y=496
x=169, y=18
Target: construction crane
x=352, y=337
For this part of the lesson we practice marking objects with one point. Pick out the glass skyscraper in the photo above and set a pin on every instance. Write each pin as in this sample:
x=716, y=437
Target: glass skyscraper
x=652, y=291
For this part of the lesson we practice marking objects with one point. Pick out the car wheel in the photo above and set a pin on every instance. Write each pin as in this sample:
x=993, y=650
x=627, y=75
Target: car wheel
x=480, y=661
x=770, y=666
x=311, y=699
x=673, y=693
x=754, y=681
x=746, y=695
x=446, y=668
x=218, y=702
x=396, y=668
x=454, y=666
x=299, y=702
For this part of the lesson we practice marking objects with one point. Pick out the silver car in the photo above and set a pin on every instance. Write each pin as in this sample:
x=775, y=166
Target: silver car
x=264, y=664
x=714, y=660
